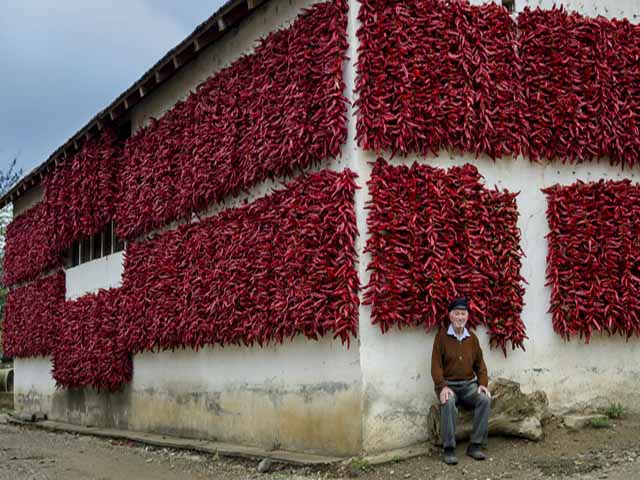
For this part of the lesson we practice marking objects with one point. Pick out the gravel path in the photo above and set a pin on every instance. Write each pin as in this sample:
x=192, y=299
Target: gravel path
x=32, y=454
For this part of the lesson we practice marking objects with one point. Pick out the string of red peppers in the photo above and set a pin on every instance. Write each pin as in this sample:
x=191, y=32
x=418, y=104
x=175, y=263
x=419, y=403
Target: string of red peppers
x=593, y=267
x=281, y=266
x=31, y=317
x=89, y=351
x=81, y=193
x=78, y=201
x=436, y=74
x=29, y=246
x=270, y=113
x=276, y=268
x=582, y=86
x=437, y=235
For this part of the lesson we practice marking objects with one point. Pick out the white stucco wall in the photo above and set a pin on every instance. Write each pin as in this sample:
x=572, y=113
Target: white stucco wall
x=397, y=385
x=89, y=277
x=27, y=200
x=303, y=395
x=33, y=385
x=396, y=366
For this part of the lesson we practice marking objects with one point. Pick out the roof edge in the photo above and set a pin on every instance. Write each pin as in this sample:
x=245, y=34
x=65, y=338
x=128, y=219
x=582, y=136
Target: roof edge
x=208, y=32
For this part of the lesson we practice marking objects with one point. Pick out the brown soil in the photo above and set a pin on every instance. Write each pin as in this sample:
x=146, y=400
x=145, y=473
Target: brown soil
x=612, y=453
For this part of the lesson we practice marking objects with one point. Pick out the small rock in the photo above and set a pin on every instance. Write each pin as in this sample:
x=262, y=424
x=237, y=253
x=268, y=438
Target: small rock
x=391, y=472
x=265, y=465
x=407, y=475
x=149, y=460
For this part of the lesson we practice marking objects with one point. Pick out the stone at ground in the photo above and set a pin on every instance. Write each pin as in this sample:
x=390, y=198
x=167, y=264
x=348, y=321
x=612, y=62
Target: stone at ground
x=513, y=413
x=576, y=422
x=265, y=465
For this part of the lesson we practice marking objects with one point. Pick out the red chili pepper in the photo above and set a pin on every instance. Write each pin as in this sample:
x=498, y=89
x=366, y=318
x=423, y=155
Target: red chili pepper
x=592, y=260
x=428, y=247
x=269, y=114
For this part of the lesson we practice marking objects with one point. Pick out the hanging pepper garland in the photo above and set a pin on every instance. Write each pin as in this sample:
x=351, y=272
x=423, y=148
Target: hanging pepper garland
x=437, y=235
x=581, y=79
x=81, y=193
x=31, y=317
x=29, y=249
x=593, y=267
x=79, y=199
x=435, y=74
x=89, y=352
x=276, y=268
x=270, y=113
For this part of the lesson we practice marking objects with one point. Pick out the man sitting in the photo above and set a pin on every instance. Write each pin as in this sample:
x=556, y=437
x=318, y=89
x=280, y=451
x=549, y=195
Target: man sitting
x=460, y=377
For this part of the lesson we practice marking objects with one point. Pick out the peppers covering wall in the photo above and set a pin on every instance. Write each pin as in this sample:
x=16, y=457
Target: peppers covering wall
x=81, y=193
x=29, y=249
x=581, y=78
x=31, y=317
x=436, y=74
x=89, y=351
x=269, y=113
x=593, y=266
x=79, y=200
x=436, y=235
x=278, y=267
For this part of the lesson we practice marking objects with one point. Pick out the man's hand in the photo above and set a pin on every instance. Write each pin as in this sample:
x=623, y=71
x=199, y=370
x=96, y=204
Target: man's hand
x=445, y=393
x=484, y=390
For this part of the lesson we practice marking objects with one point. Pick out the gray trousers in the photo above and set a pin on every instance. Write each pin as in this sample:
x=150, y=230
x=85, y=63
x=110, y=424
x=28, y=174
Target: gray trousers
x=466, y=395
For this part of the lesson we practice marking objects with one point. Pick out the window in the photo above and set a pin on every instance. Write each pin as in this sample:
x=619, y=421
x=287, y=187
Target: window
x=85, y=250
x=510, y=5
x=96, y=246
x=91, y=248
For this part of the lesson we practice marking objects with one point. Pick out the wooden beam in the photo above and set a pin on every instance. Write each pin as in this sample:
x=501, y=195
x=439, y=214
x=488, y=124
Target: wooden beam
x=253, y=4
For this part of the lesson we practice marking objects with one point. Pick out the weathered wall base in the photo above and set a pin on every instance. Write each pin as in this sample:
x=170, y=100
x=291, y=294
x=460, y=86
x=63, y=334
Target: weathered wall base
x=300, y=396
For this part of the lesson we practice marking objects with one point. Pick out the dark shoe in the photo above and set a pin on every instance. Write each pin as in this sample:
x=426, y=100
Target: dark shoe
x=474, y=451
x=450, y=456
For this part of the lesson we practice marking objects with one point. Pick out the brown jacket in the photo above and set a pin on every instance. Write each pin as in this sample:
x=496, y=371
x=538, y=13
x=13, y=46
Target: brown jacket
x=455, y=360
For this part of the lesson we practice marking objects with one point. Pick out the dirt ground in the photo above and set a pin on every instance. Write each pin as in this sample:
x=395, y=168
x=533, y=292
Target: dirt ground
x=611, y=453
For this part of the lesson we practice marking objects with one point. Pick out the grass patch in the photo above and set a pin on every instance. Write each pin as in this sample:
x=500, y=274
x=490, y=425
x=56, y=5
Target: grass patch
x=359, y=464
x=614, y=411
x=601, y=422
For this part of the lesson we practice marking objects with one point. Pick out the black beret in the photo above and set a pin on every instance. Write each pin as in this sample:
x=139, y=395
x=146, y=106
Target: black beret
x=460, y=303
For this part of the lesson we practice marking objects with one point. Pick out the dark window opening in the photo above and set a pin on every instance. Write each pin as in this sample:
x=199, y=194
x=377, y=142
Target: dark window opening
x=108, y=238
x=100, y=245
x=123, y=131
x=75, y=254
x=96, y=247
x=510, y=5
x=85, y=250
x=118, y=243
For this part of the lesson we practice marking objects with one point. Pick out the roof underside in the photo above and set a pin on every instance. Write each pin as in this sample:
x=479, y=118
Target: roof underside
x=228, y=16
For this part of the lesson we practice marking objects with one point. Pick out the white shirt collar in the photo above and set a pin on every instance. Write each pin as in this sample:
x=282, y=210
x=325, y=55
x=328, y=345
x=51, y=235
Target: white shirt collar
x=452, y=332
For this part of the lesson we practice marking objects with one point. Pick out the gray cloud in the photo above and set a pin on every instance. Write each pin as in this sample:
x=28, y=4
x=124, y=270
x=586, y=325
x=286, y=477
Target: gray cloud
x=64, y=60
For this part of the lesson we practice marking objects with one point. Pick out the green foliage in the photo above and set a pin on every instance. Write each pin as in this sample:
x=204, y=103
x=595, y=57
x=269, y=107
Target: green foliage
x=601, y=422
x=614, y=411
x=8, y=177
x=359, y=464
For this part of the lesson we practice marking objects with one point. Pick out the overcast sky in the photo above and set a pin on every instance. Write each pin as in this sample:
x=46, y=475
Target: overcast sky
x=62, y=61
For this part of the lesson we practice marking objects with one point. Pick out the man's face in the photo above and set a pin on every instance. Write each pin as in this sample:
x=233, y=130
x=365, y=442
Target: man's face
x=458, y=318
